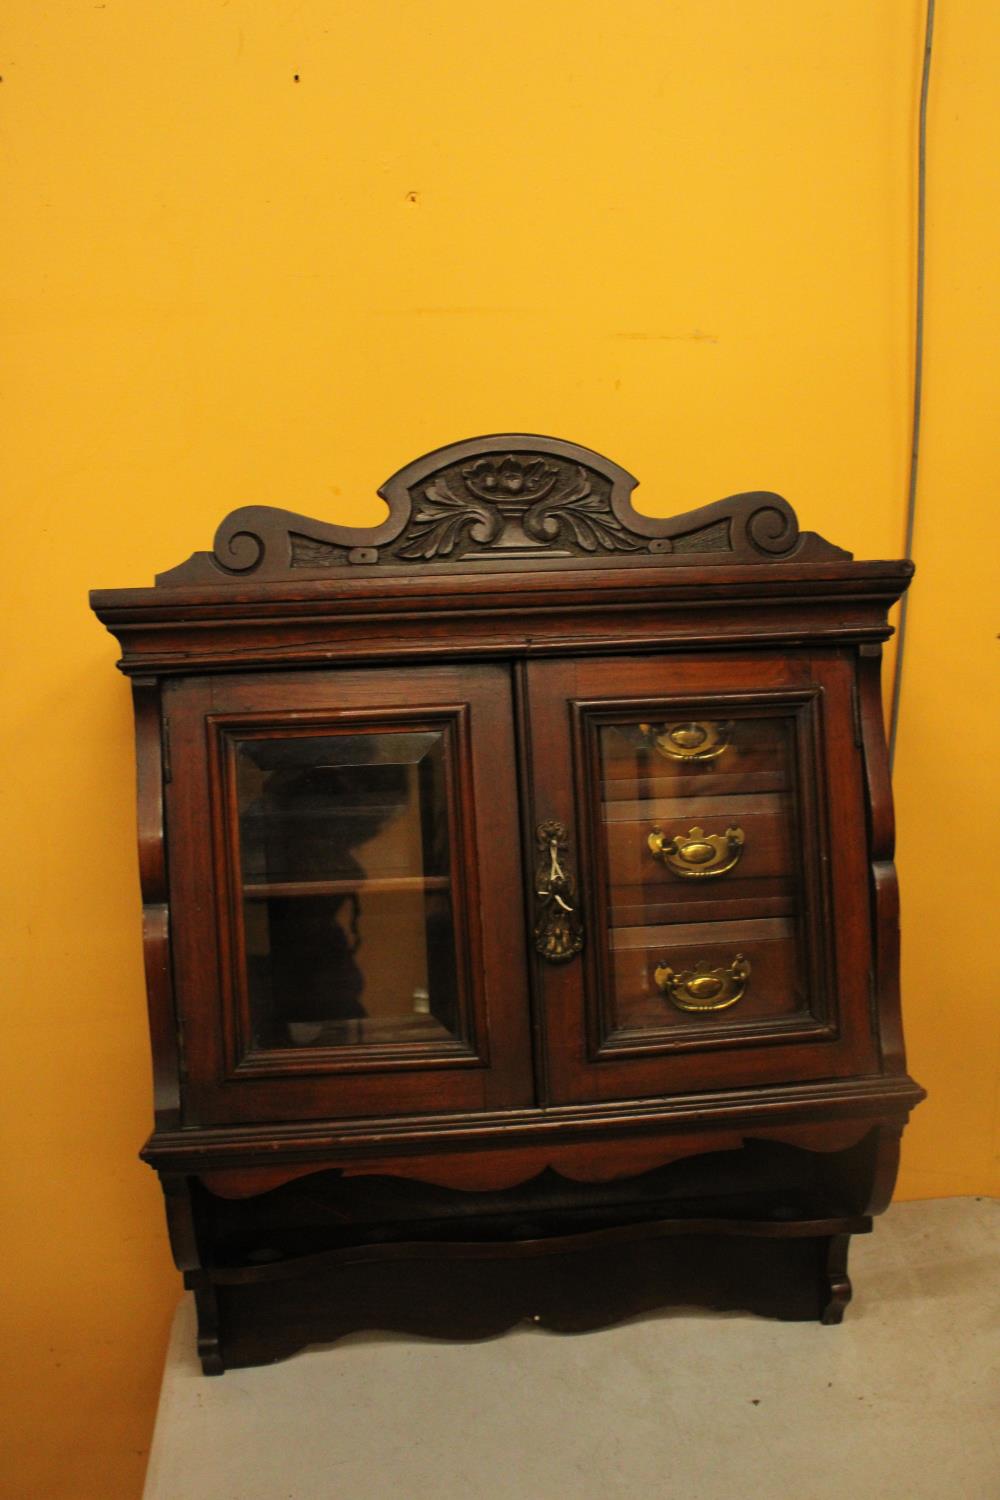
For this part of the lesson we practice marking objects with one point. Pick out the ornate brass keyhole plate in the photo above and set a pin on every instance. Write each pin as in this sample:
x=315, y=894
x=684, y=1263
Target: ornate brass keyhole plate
x=558, y=928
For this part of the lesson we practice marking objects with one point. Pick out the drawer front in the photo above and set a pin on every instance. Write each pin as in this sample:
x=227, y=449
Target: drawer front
x=704, y=978
x=685, y=757
x=718, y=824
x=680, y=848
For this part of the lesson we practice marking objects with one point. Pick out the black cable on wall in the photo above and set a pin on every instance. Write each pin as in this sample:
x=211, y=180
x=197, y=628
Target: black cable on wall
x=918, y=370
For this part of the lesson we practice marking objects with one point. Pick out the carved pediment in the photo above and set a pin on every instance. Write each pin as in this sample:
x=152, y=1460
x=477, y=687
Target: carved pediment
x=510, y=500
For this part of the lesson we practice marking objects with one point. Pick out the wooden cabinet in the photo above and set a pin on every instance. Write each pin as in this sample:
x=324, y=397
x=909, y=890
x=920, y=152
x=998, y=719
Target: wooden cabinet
x=519, y=911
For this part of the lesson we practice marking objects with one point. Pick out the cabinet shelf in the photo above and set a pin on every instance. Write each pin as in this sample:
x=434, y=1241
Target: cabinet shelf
x=348, y=886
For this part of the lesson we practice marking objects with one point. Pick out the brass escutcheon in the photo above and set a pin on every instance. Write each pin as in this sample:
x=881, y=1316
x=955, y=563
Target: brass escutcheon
x=697, y=855
x=704, y=988
x=690, y=739
x=558, y=926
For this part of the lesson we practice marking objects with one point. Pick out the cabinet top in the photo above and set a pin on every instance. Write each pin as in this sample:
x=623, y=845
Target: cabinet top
x=501, y=525
x=507, y=502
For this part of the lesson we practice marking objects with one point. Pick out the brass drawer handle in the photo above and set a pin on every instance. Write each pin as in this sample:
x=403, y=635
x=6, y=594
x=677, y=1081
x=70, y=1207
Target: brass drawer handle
x=698, y=855
x=558, y=929
x=690, y=739
x=703, y=987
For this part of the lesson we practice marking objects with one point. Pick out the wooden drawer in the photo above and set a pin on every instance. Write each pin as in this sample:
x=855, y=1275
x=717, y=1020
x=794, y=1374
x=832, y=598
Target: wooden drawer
x=726, y=900
x=637, y=875
x=770, y=989
x=755, y=757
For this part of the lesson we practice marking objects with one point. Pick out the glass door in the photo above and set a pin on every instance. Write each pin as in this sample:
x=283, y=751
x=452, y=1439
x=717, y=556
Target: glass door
x=724, y=922
x=347, y=919
x=345, y=855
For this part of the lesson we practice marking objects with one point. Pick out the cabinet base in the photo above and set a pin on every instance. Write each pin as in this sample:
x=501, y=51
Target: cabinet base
x=254, y=1316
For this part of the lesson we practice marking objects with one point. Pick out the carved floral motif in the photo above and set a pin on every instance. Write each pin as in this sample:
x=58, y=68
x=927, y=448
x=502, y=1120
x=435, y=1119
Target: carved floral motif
x=581, y=515
x=442, y=519
x=495, y=479
x=511, y=503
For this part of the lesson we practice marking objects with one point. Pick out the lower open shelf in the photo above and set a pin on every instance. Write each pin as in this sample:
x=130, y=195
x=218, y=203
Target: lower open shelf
x=427, y=1290
x=756, y=1230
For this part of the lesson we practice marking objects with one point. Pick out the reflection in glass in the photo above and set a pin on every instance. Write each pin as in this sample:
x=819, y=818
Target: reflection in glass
x=347, y=888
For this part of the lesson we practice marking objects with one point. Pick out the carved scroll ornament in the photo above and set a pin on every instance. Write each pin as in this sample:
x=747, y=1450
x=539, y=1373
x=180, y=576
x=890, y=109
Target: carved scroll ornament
x=499, y=500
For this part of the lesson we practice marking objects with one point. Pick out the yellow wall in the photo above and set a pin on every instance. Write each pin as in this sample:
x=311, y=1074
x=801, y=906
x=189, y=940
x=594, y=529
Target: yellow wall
x=679, y=231
x=947, y=783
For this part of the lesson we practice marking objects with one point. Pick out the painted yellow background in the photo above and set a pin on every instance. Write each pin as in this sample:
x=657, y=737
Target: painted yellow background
x=678, y=231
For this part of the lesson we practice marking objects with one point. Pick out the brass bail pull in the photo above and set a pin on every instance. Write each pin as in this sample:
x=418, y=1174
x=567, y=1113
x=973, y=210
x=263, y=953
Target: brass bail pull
x=698, y=855
x=705, y=987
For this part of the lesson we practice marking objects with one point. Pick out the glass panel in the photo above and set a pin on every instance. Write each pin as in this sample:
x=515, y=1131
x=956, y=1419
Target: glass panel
x=347, y=889
x=704, y=890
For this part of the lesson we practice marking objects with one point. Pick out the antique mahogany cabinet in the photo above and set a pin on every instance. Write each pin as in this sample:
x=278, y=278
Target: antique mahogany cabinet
x=519, y=911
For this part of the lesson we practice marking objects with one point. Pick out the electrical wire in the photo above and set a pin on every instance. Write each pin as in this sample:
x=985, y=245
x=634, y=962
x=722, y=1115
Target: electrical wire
x=918, y=371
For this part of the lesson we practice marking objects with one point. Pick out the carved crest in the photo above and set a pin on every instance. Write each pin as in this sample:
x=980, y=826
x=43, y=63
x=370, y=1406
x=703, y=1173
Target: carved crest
x=503, y=500
x=514, y=504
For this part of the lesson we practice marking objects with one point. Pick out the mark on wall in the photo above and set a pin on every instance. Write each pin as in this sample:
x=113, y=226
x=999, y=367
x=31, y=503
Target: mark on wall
x=695, y=337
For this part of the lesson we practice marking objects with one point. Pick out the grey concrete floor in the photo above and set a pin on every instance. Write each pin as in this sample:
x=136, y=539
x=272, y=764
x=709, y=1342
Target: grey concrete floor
x=901, y=1402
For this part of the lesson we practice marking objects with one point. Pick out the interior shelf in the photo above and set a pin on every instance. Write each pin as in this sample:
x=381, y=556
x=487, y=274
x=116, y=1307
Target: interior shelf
x=348, y=886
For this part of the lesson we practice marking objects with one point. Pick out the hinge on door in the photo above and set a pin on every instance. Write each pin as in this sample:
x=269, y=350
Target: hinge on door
x=856, y=710
x=165, y=748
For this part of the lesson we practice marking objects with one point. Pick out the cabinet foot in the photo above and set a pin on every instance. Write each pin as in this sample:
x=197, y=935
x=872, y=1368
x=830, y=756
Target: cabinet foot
x=836, y=1289
x=206, y=1303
